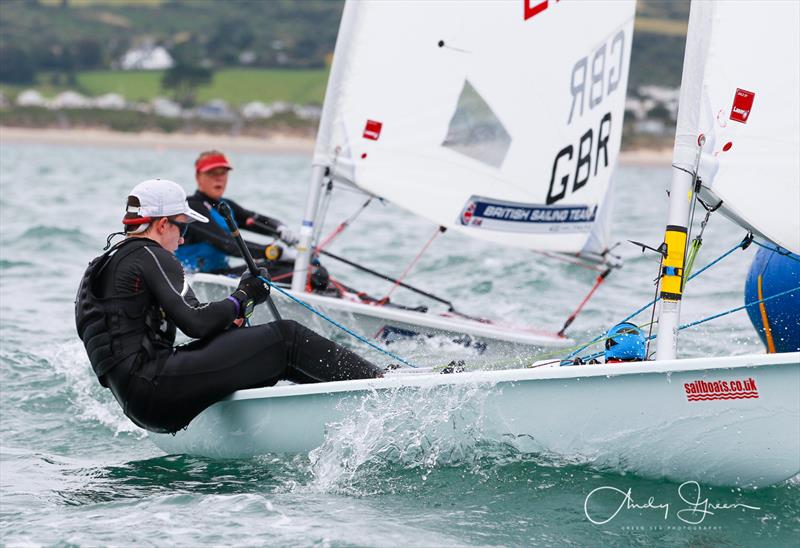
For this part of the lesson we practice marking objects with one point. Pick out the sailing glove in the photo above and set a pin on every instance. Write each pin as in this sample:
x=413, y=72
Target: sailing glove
x=251, y=291
x=285, y=234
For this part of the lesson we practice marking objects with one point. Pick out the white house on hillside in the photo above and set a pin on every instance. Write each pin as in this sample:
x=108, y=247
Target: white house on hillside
x=308, y=112
x=257, y=109
x=30, y=98
x=166, y=108
x=146, y=57
x=110, y=101
x=216, y=110
x=279, y=107
x=70, y=99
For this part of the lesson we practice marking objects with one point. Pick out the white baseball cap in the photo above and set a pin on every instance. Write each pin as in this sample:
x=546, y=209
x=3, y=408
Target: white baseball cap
x=161, y=198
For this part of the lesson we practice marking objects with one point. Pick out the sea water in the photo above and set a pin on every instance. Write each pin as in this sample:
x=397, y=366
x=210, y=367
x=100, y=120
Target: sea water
x=75, y=471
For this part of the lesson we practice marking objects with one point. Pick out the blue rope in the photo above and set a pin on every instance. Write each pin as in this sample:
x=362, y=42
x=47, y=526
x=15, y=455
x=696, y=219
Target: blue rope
x=780, y=251
x=654, y=301
x=704, y=320
x=715, y=316
x=718, y=259
x=337, y=324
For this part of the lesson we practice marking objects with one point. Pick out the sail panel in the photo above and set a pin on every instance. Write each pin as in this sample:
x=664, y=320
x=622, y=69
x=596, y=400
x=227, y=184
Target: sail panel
x=488, y=118
x=750, y=115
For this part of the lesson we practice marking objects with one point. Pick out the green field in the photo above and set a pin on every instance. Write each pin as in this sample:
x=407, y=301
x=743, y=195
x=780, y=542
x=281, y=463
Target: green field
x=236, y=86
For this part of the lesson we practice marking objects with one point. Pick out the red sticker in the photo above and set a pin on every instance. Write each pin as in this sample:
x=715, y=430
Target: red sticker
x=533, y=7
x=372, y=130
x=742, y=104
x=467, y=214
x=736, y=389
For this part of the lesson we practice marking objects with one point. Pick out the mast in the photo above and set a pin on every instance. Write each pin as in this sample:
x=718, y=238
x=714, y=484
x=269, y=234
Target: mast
x=685, y=157
x=321, y=160
x=303, y=258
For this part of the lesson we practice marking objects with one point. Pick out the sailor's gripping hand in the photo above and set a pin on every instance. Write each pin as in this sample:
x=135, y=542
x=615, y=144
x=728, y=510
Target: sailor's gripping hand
x=286, y=234
x=251, y=291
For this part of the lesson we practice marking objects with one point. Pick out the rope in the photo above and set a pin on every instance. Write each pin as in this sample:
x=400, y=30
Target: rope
x=570, y=260
x=697, y=243
x=577, y=311
x=738, y=308
x=282, y=276
x=741, y=245
x=779, y=251
x=337, y=324
x=707, y=319
x=439, y=230
x=343, y=225
x=655, y=300
x=323, y=212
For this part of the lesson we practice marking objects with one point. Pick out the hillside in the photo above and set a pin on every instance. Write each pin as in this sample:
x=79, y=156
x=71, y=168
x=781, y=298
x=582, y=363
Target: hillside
x=75, y=35
x=49, y=42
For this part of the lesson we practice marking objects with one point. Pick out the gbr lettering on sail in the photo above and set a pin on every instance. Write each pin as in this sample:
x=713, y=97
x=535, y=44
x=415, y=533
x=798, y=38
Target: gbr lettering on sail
x=594, y=78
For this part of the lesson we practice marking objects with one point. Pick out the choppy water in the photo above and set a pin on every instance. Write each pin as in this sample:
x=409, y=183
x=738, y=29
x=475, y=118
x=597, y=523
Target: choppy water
x=74, y=471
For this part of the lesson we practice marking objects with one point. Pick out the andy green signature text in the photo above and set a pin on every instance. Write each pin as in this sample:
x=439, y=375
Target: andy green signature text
x=693, y=509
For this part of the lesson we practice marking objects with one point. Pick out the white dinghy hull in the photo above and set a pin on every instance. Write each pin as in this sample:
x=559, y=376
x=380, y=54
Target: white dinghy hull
x=382, y=321
x=723, y=421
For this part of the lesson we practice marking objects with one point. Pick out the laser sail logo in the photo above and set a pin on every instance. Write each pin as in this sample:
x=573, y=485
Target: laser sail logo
x=721, y=390
x=373, y=130
x=742, y=104
x=534, y=7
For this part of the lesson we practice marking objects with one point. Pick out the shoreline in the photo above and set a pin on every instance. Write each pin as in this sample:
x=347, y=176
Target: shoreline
x=150, y=139
x=277, y=143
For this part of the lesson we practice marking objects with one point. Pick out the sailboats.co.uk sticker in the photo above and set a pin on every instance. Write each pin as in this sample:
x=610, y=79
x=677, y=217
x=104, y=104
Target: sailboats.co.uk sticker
x=736, y=389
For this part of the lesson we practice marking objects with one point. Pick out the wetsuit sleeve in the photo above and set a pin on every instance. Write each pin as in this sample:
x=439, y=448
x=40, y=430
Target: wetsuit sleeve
x=255, y=222
x=164, y=277
x=217, y=236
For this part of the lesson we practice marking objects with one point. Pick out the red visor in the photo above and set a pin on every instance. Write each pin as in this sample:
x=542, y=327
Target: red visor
x=136, y=221
x=211, y=162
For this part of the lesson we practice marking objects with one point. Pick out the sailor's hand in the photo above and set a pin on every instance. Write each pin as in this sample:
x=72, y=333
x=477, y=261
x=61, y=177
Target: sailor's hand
x=285, y=234
x=253, y=287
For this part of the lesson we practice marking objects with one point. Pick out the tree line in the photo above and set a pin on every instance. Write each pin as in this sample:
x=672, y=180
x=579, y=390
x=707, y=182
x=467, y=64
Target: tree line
x=60, y=39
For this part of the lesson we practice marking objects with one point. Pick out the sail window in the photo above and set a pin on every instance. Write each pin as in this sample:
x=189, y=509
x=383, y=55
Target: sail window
x=475, y=130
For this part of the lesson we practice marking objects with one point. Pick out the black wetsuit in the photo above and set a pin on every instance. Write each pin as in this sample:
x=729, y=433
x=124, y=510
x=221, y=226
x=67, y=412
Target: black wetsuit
x=129, y=304
x=220, y=242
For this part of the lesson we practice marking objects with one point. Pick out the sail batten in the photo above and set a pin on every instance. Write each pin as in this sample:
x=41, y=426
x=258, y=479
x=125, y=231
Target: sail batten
x=483, y=118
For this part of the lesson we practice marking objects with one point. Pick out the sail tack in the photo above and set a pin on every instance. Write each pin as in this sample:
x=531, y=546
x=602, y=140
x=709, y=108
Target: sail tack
x=490, y=118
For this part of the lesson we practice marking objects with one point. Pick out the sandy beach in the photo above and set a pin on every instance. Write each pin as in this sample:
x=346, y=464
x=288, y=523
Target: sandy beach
x=277, y=143
x=194, y=141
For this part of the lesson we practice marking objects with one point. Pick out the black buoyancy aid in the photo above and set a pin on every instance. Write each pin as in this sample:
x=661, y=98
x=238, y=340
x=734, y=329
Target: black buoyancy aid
x=116, y=327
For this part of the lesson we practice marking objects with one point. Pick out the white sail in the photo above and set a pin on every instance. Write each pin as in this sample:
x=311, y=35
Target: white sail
x=746, y=101
x=501, y=120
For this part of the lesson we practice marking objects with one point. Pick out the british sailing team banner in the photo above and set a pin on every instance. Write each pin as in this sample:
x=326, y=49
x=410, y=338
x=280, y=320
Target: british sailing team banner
x=489, y=214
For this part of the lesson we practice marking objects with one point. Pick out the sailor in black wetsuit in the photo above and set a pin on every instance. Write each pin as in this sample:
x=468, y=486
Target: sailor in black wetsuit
x=207, y=246
x=133, y=297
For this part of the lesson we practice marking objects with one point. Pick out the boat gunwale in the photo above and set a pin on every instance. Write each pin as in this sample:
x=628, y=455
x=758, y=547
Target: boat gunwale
x=424, y=380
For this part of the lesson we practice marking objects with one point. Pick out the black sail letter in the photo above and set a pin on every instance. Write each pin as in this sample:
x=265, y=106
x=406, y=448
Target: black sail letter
x=552, y=198
x=602, y=141
x=584, y=158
